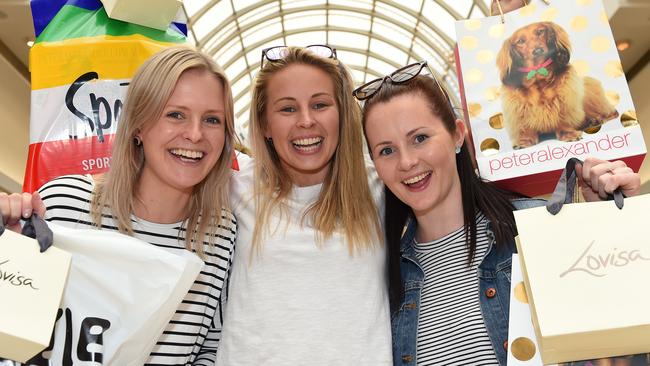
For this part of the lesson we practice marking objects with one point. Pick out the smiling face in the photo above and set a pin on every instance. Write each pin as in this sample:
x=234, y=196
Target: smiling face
x=302, y=119
x=184, y=144
x=414, y=153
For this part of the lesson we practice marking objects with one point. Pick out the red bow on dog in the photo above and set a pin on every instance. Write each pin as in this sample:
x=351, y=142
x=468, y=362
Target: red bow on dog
x=538, y=69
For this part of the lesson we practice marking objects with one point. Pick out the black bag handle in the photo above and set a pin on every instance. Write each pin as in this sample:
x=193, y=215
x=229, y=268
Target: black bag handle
x=564, y=189
x=36, y=228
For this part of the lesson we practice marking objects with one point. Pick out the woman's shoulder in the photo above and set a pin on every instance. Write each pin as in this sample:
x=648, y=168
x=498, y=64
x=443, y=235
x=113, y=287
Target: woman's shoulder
x=80, y=186
x=524, y=203
x=68, y=197
x=228, y=220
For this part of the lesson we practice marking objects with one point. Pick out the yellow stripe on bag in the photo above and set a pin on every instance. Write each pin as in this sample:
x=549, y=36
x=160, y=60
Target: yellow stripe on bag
x=112, y=57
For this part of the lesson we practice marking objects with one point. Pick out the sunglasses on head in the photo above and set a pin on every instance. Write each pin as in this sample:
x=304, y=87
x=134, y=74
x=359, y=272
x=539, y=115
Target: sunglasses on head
x=278, y=53
x=399, y=76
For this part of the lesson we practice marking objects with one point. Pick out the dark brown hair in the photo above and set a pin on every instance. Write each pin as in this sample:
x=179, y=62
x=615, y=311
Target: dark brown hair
x=477, y=195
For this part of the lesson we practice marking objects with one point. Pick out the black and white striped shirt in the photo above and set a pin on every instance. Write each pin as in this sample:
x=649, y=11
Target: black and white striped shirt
x=451, y=330
x=193, y=333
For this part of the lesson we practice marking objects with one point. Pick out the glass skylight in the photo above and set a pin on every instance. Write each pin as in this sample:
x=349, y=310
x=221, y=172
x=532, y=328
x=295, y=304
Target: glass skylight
x=371, y=37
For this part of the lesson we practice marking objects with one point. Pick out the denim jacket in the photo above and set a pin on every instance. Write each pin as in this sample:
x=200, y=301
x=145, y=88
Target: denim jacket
x=494, y=293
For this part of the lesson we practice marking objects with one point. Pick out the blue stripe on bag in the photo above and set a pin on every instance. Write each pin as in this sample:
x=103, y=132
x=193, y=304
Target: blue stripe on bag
x=44, y=10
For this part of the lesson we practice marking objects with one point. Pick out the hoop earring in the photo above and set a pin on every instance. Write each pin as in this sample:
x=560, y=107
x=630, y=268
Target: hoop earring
x=137, y=141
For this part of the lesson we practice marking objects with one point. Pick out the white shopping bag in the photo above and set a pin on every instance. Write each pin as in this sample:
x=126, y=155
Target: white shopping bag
x=156, y=14
x=121, y=293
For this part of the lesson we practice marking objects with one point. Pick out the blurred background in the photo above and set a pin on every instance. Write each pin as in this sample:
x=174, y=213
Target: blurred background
x=372, y=37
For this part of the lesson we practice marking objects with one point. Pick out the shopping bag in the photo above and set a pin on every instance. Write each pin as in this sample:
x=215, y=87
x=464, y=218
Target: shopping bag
x=121, y=293
x=31, y=285
x=150, y=13
x=523, y=349
x=542, y=84
x=585, y=269
x=81, y=65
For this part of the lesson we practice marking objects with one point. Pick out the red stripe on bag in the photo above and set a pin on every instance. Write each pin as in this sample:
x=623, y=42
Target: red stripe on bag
x=52, y=159
x=48, y=160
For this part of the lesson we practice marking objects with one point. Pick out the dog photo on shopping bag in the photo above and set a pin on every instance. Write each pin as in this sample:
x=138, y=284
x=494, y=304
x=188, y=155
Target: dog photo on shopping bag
x=542, y=92
x=542, y=84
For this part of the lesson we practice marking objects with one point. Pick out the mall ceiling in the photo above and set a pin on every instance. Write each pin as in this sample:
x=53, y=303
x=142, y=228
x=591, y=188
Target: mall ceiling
x=373, y=37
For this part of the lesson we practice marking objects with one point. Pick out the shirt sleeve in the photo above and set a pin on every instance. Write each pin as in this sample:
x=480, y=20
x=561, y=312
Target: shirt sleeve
x=208, y=353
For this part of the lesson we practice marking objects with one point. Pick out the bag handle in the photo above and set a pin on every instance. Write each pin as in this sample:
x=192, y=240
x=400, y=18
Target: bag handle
x=36, y=228
x=503, y=19
x=564, y=189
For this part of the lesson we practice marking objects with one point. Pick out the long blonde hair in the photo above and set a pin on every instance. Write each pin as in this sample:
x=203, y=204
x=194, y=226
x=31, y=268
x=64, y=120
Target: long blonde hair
x=345, y=200
x=151, y=87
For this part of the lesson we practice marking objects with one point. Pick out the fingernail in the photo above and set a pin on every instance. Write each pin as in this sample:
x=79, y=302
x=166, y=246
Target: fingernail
x=26, y=213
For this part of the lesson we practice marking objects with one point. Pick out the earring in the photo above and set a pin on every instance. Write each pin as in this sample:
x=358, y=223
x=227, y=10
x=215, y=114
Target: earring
x=457, y=149
x=137, y=140
x=269, y=141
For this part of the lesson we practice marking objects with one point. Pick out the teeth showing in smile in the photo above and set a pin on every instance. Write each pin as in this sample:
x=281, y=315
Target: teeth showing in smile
x=188, y=154
x=416, y=179
x=307, y=142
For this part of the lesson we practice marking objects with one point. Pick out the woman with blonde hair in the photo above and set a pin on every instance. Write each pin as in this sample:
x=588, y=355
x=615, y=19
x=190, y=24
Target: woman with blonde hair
x=167, y=185
x=308, y=281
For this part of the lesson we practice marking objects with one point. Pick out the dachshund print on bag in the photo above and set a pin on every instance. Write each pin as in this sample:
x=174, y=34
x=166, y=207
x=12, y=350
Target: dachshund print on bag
x=542, y=92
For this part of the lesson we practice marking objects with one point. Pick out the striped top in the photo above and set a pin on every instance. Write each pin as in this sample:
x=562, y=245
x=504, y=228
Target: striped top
x=451, y=330
x=192, y=335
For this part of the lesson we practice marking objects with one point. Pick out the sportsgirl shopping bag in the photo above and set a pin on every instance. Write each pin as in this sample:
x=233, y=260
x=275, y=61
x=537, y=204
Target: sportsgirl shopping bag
x=81, y=64
x=31, y=286
x=542, y=84
x=120, y=295
x=585, y=270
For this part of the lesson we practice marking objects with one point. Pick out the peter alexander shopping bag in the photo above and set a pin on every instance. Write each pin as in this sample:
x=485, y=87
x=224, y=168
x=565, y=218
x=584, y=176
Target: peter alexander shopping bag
x=31, y=286
x=544, y=85
x=81, y=64
x=121, y=293
x=586, y=270
x=523, y=349
x=150, y=13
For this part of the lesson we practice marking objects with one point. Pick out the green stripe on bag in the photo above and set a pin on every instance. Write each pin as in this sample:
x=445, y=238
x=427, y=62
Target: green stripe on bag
x=74, y=22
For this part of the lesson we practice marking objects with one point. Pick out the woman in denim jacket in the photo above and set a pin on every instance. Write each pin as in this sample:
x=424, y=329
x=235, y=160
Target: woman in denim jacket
x=449, y=272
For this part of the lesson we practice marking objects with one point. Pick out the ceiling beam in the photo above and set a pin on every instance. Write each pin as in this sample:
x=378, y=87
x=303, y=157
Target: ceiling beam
x=205, y=39
x=14, y=61
x=638, y=66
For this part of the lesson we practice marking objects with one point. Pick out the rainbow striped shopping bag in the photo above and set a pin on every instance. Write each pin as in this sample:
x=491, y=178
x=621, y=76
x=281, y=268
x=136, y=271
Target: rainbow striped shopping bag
x=81, y=64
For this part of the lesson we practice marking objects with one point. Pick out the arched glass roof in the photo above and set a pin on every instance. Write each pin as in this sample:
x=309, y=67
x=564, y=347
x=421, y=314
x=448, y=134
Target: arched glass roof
x=372, y=37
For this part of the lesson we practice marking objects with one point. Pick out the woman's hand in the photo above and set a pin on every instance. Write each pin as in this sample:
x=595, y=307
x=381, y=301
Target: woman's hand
x=506, y=6
x=598, y=178
x=19, y=205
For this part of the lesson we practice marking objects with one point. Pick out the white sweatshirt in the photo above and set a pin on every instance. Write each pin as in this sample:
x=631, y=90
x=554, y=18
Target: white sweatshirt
x=300, y=303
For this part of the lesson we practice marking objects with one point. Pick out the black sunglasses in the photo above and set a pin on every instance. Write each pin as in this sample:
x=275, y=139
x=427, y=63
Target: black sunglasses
x=399, y=76
x=277, y=53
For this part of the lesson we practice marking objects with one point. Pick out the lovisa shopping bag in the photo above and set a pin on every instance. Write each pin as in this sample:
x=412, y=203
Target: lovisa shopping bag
x=542, y=84
x=121, y=293
x=523, y=349
x=585, y=268
x=81, y=64
x=31, y=286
